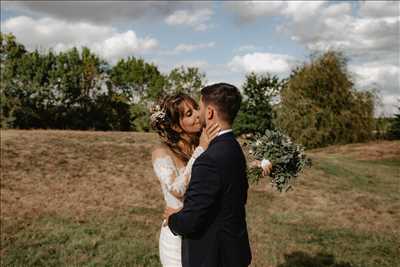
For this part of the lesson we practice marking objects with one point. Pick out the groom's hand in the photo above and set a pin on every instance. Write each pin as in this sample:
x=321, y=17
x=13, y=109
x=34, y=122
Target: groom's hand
x=168, y=212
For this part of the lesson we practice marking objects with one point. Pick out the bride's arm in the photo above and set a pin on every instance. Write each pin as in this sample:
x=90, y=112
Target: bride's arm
x=185, y=177
x=166, y=171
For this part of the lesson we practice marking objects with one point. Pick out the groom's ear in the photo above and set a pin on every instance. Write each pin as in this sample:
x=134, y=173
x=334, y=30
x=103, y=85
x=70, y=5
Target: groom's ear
x=210, y=113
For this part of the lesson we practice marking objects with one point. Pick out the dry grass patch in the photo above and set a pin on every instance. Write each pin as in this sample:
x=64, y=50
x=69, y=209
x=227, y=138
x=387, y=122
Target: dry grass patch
x=75, y=172
x=375, y=150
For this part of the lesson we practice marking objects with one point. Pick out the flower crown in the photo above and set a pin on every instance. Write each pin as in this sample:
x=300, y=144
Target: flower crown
x=157, y=114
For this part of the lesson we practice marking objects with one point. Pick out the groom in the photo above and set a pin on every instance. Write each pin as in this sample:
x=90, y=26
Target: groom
x=212, y=221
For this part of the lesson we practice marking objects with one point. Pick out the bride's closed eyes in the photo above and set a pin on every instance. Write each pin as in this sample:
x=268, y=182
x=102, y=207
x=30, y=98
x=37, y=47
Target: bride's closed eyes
x=190, y=122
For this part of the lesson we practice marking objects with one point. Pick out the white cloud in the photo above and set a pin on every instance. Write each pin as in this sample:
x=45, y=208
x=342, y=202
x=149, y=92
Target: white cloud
x=262, y=62
x=201, y=64
x=248, y=11
x=198, y=19
x=378, y=9
x=103, y=12
x=365, y=38
x=390, y=105
x=60, y=35
x=187, y=48
x=121, y=45
x=321, y=25
x=303, y=10
x=367, y=32
x=383, y=77
x=192, y=47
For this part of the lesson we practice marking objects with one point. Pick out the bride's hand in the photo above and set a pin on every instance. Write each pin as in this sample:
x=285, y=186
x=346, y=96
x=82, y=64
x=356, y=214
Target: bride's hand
x=266, y=169
x=168, y=212
x=208, y=134
x=266, y=166
x=255, y=163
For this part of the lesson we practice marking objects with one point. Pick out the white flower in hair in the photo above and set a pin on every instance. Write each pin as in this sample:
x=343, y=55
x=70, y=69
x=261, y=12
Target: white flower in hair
x=158, y=113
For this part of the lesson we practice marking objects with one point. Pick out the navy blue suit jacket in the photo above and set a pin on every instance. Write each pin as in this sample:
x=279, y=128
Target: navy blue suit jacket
x=212, y=221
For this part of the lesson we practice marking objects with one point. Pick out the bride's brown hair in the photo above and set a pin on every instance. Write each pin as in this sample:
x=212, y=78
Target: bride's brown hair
x=165, y=120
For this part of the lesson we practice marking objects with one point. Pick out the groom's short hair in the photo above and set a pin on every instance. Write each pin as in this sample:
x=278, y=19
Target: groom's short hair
x=225, y=97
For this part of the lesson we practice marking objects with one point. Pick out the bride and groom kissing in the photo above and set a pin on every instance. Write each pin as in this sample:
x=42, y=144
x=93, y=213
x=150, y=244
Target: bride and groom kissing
x=202, y=171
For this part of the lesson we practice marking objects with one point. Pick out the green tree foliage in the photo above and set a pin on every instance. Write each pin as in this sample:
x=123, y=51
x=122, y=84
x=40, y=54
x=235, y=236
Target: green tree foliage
x=44, y=90
x=72, y=89
x=138, y=79
x=10, y=53
x=75, y=89
x=25, y=90
x=256, y=113
x=319, y=105
x=139, y=117
x=186, y=80
x=394, y=130
x=78, y=78
x=141, y=84
x=111, y=111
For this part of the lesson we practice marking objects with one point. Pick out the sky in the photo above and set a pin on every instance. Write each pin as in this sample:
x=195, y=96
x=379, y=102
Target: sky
x=225, y=40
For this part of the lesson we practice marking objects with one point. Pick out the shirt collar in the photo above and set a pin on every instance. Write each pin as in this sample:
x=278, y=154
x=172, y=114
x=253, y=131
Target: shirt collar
x=224, y=132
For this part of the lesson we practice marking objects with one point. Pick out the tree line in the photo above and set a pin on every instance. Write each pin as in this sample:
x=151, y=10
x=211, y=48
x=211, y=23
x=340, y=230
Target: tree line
x=78, y=90
x=317, y=105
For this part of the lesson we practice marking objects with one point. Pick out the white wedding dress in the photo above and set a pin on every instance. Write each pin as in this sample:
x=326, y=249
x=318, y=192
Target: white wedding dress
x=173, y=184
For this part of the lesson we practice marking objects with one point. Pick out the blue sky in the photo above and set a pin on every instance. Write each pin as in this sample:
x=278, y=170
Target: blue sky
x=225, y=40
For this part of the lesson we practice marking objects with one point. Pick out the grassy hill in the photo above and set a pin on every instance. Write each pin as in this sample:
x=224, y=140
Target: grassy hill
x=91, y=198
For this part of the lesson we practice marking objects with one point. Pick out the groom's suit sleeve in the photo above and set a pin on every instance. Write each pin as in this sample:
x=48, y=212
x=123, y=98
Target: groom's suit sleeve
x=201, y=194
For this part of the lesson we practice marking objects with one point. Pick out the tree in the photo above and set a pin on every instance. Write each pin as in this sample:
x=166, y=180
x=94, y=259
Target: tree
x=319, y=105
x=47, y=90
x=140, y=117
x=186, y=80
x=10, y=53
x=139, y=83
x=256, y=113
x=137, y=79
x=77, y=79
x=75, y=89
x=394, y=130
x=25, y=85
x=112, y=111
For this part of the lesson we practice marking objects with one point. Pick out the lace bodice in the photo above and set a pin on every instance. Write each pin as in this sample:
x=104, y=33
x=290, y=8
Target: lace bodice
x=174, y=181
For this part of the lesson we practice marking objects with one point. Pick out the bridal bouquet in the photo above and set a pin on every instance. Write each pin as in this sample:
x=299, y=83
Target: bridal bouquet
x=288, y=159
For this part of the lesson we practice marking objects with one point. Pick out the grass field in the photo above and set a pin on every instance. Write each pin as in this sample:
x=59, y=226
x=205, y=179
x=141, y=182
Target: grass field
x=71, y=198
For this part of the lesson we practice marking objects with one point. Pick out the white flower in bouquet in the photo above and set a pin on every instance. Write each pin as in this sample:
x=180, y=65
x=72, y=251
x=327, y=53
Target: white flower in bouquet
x=288, y=159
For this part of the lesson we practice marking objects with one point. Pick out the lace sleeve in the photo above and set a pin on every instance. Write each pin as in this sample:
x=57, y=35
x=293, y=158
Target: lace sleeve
x=168, y=174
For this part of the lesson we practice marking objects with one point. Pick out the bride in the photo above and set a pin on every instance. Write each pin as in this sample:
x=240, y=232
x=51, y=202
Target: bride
x=176, y=120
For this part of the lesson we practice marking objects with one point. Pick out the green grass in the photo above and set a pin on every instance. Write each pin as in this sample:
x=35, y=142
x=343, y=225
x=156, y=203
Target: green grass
x=312, y=242
x=352, y=248
x=384, y=162
x=115, y=240
x=380, y=177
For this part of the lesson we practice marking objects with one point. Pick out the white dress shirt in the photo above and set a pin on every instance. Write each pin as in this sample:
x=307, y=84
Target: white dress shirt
x=224, y=132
